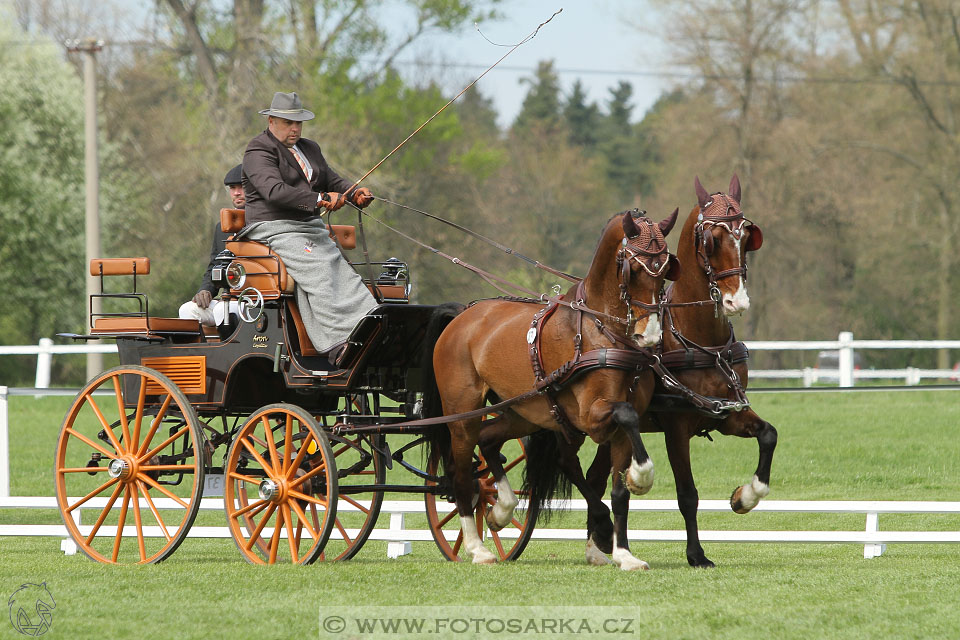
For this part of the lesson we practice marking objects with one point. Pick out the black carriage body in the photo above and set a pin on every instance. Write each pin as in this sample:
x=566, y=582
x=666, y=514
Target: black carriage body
x=261, y=362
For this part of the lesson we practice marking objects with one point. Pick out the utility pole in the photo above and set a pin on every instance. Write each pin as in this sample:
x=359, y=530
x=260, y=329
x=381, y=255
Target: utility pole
x=89, y=48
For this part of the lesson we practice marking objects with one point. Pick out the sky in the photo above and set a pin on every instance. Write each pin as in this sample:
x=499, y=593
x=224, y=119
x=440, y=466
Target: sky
x=599, y=42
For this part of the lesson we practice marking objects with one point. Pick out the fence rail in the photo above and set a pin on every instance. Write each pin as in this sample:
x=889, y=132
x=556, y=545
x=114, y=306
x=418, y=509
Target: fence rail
x=873, y=539
x=845, y=375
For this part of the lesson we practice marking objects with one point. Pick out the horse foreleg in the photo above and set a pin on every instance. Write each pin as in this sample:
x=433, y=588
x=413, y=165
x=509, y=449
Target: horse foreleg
x=599, y=527
x=463, y=440
x=688, y=499
x=749, y=425
x=622, y=458
x=639, y=477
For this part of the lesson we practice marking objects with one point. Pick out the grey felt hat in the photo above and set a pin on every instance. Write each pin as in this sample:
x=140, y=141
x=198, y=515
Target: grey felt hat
x=287, y=105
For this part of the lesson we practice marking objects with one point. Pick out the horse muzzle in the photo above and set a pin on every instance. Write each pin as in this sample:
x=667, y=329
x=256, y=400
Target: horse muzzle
x=647, y=331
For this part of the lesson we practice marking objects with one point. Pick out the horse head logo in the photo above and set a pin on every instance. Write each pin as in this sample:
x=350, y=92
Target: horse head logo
x=31, y=609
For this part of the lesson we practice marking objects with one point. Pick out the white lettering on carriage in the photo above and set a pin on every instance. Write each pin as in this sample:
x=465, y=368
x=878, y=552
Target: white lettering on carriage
x=626, y=560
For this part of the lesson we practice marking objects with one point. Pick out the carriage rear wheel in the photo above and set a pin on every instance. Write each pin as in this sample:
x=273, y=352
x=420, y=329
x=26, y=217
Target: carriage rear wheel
x=132, y=450
x=281, y=483
x=360, y=462
x=444, y=522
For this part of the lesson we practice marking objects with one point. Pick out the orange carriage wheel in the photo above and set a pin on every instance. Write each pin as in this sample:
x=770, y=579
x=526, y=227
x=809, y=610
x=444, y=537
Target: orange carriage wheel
x=127, y=452
x=444, y=522
x=281, y=487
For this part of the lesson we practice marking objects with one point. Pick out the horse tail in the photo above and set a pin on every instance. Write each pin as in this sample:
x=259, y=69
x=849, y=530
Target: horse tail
x=437, y=436
x=543, y=476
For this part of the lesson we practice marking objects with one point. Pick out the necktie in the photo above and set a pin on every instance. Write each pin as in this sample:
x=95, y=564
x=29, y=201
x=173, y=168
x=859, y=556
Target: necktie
x=303, y=166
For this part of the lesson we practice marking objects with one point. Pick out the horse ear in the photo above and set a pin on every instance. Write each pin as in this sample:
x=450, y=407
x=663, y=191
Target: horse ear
x=755, y=240
x=629, y=226
x=734, y=190
x=667, y=225
x=702, y=196
x=673, y=271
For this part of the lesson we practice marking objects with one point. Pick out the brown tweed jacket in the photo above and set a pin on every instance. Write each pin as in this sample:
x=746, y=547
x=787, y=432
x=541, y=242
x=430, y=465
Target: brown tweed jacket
x=275, y=185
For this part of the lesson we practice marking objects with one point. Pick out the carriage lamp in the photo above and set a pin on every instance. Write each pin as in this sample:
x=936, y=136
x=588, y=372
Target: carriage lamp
x=393, y=271
x=236, y=275
x=219, y=272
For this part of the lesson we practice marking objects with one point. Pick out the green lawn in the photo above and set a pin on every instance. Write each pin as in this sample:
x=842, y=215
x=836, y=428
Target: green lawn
x=896, y=446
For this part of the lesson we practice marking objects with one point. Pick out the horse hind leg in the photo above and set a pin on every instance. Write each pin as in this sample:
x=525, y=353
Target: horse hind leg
x=463, y=438
x=493, y=435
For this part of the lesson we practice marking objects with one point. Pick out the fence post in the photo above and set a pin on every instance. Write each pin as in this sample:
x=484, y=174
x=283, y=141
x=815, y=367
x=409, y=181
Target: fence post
x=845, y=360
x=4, y=450
x=44, y=358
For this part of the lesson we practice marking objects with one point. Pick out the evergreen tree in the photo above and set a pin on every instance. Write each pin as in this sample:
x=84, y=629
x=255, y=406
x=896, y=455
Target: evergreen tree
x=541, y=107
x=582, y=119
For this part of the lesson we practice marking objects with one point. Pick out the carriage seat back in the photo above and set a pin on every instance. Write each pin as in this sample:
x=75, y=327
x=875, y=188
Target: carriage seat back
x=233, y=220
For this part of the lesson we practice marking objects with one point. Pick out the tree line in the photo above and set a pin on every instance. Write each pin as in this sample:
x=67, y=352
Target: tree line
x=840, y=119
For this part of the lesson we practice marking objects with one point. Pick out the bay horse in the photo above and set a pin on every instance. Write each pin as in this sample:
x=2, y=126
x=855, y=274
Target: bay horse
x=500, y=349
x=701, y=353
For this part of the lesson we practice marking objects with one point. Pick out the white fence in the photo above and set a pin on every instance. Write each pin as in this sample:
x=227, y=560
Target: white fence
x=845, y=375
x=873, y=539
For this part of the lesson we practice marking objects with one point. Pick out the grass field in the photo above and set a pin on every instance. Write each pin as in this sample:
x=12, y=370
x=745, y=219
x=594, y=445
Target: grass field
x=891, y=446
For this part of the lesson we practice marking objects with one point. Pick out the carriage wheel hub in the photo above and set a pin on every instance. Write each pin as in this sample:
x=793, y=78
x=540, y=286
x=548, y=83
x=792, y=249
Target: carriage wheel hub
x=119, y=468
x=269, y=490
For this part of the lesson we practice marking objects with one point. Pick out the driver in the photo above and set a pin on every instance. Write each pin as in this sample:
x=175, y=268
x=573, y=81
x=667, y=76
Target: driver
x=288, y=184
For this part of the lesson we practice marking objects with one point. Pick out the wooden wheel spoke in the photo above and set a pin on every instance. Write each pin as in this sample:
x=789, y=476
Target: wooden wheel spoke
x=287, y=524
x=517, y=461
x=83, y=470
x=103, y=514
x=275, y=539
x=93, y=493
x=153, y=510
x=255, y=535
x=157, y=421
x=303, y=496
x=313, y=472
x=355, y=503
x=103, y=421
x=163, y=445
x=240, y=476
x=138, y=419
x=343, y=532
x=458, y=543
x=516, y=523
x=90, y=443
x=162, y=489
x=499, y=545
x=271, y=445
x=120, y=522
x=447, y=518
x=304, y=522
x=137, y=518
x=301, y=454
x=256, y=456
x=287, y=443
x=124, y=426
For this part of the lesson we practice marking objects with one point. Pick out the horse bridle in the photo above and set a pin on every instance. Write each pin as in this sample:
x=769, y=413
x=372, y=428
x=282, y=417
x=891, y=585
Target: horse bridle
x=649, y=251
x=720, y=211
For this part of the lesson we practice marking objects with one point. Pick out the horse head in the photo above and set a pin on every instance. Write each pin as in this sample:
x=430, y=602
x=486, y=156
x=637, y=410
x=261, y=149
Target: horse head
x=636, y=249
x=722, y=236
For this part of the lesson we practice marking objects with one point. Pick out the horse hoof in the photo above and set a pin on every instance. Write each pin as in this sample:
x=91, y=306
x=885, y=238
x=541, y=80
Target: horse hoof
x=636, y=565
x=595, y=557
x=701, y=563
x=639, y=478
x=492, y=523
x=484, y=557
x=745, y=498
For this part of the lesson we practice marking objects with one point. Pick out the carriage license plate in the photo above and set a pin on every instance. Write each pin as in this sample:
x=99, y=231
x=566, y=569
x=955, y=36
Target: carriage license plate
x=213, y=485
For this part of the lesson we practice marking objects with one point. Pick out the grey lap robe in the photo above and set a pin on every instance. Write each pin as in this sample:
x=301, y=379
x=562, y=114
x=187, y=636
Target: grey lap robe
x=331, y=296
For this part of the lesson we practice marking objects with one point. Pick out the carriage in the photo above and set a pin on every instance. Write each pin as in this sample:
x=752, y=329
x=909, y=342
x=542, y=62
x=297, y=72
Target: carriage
x=294, y=440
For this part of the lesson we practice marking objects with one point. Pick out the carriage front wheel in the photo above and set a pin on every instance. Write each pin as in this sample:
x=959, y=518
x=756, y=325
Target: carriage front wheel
x=444, y=522
x=281, y=486
x=127, y=451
